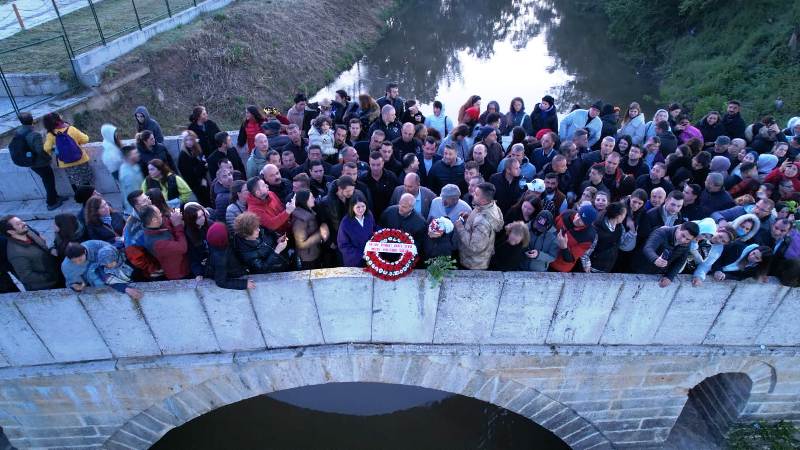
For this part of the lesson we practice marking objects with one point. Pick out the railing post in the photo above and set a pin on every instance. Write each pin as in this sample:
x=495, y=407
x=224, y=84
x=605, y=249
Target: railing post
x=8, y=91
x=71, y=60
x=194, y=2
x=97, y=22
x=63, y=29
x=136, y=12
x=169, y=11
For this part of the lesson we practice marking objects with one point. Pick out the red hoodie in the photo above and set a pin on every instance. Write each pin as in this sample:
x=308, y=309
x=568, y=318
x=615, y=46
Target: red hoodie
x=270, y=211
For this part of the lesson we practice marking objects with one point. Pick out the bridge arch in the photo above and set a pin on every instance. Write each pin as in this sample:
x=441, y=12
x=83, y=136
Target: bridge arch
x=146, y=428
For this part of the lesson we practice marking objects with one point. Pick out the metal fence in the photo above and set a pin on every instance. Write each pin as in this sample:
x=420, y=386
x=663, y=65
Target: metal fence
x=49, y=33
x=25, y=83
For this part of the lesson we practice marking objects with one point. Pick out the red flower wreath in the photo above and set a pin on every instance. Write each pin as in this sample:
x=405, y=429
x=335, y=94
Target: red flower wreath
x=389, y=240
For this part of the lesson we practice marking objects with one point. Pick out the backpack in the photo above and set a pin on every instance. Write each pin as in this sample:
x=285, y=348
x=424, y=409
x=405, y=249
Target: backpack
x=67, y=150
x=21, y=152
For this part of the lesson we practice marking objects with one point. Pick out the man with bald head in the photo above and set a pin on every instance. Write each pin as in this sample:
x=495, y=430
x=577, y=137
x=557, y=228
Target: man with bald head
x=406, y=143
x=282, y=187
x=422, y=195
x=387, y=123
x=349, y=154
x=258, y=159
x=403, y=217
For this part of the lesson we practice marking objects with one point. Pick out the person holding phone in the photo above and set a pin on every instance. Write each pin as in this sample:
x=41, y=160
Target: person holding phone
x=666, y=251
x=260, y=250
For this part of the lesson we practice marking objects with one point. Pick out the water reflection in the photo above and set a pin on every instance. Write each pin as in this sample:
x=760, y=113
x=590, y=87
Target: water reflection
x=500, y=49
x=431, y=419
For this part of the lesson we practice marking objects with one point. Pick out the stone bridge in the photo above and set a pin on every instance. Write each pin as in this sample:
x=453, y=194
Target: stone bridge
x=602, y=361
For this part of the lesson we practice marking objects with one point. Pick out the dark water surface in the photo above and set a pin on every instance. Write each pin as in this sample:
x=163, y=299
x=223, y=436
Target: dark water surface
x=498, y=49
x=360, y=416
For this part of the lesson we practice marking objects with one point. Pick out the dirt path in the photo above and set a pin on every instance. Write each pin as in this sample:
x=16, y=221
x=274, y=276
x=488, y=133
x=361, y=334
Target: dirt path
x=260, y=52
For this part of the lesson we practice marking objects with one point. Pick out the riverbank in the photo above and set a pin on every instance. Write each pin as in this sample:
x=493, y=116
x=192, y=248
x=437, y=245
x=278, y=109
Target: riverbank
x=705, y=53
x=250, y=52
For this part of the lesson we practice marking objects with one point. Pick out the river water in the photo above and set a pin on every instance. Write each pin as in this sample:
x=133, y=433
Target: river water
x=359, y=416
x=451, y=49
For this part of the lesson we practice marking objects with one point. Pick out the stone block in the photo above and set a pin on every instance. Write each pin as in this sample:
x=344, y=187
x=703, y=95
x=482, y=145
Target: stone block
x=404, y=310
x=121, y=323
x=19, y=343
x=344, y=304
x=584, y=308
x=61, y=322
x=287, y=314
x=232, y=317
x=691, y=313
x=782, y=328
x=467, y=307
x=745, y=314
x=640, y=306
x=177, y=318
x=526, y=308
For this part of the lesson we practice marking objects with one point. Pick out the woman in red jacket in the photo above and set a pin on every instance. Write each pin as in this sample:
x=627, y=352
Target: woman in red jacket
x=250, y=127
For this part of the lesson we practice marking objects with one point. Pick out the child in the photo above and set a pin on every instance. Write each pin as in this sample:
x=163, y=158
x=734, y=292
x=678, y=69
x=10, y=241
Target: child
x=322, y=135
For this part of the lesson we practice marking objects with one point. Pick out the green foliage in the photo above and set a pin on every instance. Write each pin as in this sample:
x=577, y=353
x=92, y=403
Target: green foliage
x=709, y=51
x=439, y=267
x=763, y=435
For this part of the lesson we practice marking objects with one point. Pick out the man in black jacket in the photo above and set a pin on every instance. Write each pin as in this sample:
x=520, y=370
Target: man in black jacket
x=506, y=185
x=668, y=214
x=666, y=251
x=732, y=121
x=226, y=151
x=393, y=98
x=403, y=217
x=387, y=123
x=427, y=158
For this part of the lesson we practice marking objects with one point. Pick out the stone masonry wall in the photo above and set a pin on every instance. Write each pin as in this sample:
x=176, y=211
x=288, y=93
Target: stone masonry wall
x=598, y=359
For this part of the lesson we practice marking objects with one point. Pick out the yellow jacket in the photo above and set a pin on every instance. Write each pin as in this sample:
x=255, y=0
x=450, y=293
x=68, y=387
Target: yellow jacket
x=74, y=133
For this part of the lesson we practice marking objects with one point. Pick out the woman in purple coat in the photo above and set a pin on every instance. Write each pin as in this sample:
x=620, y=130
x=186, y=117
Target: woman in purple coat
x=356, y=229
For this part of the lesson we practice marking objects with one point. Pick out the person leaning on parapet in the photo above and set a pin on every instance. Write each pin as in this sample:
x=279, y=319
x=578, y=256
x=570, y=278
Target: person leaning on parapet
x=28, y=254
x=27, y=150
x=666, y=251
x=95, y=264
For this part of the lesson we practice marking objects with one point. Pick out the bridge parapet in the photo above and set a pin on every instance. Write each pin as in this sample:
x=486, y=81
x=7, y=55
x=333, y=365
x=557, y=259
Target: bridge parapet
x=336, y=306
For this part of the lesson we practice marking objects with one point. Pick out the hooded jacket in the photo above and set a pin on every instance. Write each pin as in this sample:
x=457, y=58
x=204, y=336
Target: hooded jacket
x=149, y=124
x=255, y=163
x=579, y=240
x=541, y=119
x=580, y=119
x=729, y=259
x=169, y=247
x=635, y=128
x=544, y=243
x=77, y=135
x=776, y=176
x=112, y=155
x=650, y=127
x=476, y=236
x=440, y=123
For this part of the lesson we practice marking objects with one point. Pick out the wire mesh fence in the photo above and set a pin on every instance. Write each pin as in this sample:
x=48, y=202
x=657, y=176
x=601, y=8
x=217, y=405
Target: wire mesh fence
x=63, y=29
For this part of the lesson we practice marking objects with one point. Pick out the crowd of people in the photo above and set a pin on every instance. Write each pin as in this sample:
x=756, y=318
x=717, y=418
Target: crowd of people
x=601, y=190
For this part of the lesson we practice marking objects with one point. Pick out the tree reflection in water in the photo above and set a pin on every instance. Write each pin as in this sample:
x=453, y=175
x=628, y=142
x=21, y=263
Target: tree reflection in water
x=428, y=45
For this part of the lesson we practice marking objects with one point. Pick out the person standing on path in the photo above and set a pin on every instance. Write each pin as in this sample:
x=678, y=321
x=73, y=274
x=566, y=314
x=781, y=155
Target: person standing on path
x=27, y=150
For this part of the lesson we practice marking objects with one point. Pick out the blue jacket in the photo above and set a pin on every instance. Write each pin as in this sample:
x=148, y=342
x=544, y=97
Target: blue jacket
x=353, y=237
x=440, y=123
x=576, y=120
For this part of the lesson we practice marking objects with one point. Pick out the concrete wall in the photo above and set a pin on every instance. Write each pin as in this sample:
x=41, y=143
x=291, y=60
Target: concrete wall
x=598, y=359
x=89, y=65
x=34, y=84
x=13, y=177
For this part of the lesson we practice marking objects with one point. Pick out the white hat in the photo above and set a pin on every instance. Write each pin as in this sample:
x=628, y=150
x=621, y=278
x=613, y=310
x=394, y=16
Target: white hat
x=536, y=185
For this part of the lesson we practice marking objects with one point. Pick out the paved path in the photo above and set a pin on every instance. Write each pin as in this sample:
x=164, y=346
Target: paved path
x=34, y=12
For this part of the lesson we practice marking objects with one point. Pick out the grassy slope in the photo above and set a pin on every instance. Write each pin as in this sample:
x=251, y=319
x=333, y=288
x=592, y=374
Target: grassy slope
x=116, y=18
x=253, y=51
x=716, y=50
x=739, y=52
